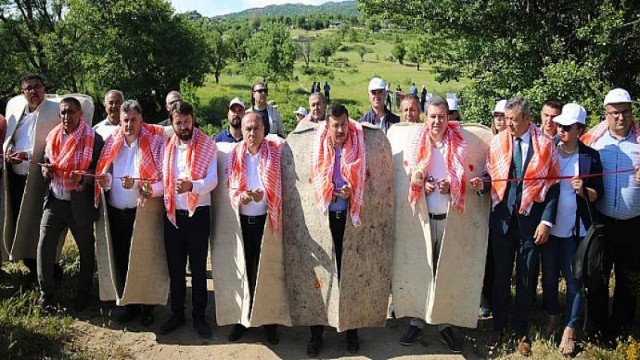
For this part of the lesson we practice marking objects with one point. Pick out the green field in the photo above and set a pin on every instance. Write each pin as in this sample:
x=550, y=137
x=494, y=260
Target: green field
x=348, y=80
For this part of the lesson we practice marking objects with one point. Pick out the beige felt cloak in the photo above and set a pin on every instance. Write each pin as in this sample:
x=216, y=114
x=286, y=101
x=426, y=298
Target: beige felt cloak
x=316, y=297
x=453, y=295
x=21, y=241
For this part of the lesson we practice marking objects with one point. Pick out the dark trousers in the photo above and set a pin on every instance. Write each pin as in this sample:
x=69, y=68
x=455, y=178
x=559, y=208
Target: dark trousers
x=189, y=239
x=337, y=223
x=57, y=217
x=252, y=231
x=18, y=183
x=121, y=222
x=622, y=253
x=489, y=276
x=505, y=249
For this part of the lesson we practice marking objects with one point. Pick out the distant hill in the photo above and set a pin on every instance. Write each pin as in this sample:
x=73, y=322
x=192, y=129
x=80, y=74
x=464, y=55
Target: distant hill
x=346, y=8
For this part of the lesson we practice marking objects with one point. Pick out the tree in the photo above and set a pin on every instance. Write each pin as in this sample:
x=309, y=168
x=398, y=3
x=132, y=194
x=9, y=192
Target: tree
x=373, y=24
x=326, y=47
x=305, y=48
x=538, y=49
x=272, y=54
x=362, y=51
x=416, y=52
x=343, y=30
x=218, y=51
x=399, y=51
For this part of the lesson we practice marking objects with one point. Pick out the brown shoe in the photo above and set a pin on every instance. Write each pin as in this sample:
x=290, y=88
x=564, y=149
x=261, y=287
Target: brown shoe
x=524, y=346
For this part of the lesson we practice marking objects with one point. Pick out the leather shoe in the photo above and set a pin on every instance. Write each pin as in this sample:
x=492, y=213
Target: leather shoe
x=202, y=327
x=314, y=346
x=82, y=301
x=175, y=321
x=237, y=332
x=448, y=338
x=524, y=346
x=413, y=333
x=272, y=334
x=130, y=312
x=353, y=344
x=147, y=316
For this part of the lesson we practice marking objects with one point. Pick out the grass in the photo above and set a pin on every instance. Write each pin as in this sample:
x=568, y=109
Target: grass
x=347, y=75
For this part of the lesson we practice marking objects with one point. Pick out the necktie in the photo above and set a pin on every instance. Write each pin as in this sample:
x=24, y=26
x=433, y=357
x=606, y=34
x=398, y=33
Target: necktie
x=517, y=158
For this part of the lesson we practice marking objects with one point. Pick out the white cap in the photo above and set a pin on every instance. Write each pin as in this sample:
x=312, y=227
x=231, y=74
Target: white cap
x=236, y=101
x=571, y=113
x=301, y=111
x=377, y=84
x=617, y=96
x=453, y=104
x=500, y=105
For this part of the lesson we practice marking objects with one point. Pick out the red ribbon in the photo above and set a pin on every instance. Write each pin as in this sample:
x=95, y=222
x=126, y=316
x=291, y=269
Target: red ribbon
x=562, y=177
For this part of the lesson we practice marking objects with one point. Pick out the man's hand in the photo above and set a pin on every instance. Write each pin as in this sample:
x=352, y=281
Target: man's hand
x=443, y=186
x=476, y=183
x=127, y=182
x=15, y=157
x=638, y=173
x=103, y=180
x=256, y=195
x=246, y=197
x=47, y=171
x=184, y=185
x=145, y=189
x=344, y=192
x=541, y=235
x=429, y=187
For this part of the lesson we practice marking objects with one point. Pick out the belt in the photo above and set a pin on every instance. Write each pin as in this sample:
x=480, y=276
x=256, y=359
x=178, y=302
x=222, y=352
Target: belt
x=180, y=212
x=437, y=216
x=124, y=211
x=252, y=220
x=338, y=214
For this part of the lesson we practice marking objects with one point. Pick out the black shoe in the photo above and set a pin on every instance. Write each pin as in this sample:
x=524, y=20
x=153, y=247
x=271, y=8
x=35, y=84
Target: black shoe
x=175, y=321
x=129, y=313
x=447, y=337
x=147, y=316
x=82, y=301
x=57, y=273
x=203, y=328
x=353, y=344
x=413, y=333
x=237, y=332
x=314, y=345
x=272, y=334
x=45, y=303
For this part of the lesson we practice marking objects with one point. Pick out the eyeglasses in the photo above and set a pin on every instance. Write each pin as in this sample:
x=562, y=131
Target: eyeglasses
x=32, y=88
x=260, y=91
x=615, y=114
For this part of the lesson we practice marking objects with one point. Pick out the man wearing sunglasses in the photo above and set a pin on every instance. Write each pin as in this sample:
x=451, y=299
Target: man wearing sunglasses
x=29, y=117
x=617, y=139
x=379, y=114
x=270, y=117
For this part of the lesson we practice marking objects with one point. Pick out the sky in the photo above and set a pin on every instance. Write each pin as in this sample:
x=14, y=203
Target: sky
x=221, y=7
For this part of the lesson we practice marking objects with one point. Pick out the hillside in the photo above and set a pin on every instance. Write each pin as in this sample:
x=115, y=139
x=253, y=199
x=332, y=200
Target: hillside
x=346, y=8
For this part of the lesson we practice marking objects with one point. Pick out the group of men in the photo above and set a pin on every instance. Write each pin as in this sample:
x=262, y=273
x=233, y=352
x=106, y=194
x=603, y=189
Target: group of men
x=51, y=153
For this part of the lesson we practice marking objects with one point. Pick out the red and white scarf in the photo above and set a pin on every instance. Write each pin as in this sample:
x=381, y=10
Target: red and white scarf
x=543, y=164
x=418, y=158
x=599, y=130
x=201, y=150
x=352, y=168
x=269, y=172
x=150, y=143
x=74, y=155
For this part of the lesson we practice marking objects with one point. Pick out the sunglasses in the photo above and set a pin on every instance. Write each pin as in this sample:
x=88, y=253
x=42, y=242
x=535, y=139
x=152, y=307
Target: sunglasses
x=260, y=91
x=566, y=128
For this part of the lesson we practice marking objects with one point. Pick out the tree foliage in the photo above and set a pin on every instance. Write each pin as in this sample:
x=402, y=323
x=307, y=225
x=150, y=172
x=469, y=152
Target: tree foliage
x=219, y=52
x=416, y=52
x=399, y=51
x=570, y=50
x=304, y=46
x=326, y=47
x=271, y=54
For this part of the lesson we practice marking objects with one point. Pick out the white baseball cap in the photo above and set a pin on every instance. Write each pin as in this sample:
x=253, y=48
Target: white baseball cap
x=500, y=105
x=571, y=113
x=301, y=111
x=617, y=96
x=377, y=84
x=236, y=101
x=453, y=104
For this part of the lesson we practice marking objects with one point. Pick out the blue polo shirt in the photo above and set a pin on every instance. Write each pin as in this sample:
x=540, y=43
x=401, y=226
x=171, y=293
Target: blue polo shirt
x=225, y=136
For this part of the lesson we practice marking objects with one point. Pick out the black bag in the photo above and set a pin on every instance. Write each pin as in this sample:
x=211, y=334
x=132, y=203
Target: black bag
x=589, y=256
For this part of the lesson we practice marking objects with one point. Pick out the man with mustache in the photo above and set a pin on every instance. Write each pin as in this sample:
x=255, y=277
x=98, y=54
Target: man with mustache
x=189, y=174
x=71, y=152
x=234, y=133
x=113, y=99
x=379, y=114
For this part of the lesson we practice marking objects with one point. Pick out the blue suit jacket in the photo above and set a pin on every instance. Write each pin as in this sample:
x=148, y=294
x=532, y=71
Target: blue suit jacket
x=502, y=213
x=589, y=163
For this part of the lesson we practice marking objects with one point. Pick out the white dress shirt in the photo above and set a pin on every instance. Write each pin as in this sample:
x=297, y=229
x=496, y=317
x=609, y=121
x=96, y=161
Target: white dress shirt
x=254, y=183
x=524, y=146
x=437, y=203
x=24, y=137
x=202, y=187
x=105, y=129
